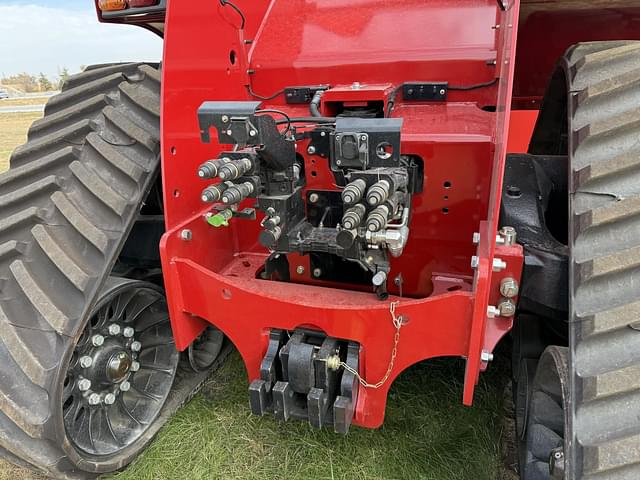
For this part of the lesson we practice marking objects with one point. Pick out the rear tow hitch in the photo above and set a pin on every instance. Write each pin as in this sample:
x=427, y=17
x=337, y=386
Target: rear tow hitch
x=297, y=381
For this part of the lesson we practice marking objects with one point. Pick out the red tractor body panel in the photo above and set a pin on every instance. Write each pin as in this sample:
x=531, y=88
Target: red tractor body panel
x=364, y=50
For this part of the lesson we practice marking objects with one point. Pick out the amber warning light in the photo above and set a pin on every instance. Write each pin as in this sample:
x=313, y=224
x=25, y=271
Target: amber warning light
x=111, y=5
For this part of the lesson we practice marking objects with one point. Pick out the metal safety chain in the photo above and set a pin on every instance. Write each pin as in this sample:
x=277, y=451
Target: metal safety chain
x=334, y=362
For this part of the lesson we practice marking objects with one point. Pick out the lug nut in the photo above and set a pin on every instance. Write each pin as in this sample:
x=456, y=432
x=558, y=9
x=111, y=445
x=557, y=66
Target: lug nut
x=136, y=346
x=114, y=329
x=507, y=308
x=84, y=384
x=109, y=399
x=86, y=361
x=97, y=340
x=94, y=399
x=125, y=386
x=135, y=366
x=509, y=287
x=128, y=332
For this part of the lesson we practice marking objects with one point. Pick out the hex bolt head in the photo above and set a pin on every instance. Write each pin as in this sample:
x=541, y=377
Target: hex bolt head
x=311, y=150
x=509, y=235
x=493, y=311
x=125, y=386
x=475, y=261
x=135, y=366
x=507, y=308
x=300, y=270
x=317, y=272
x=486, y=356
x=94, y=399
x=476, y=238
x=97, y=340
x=128, y=332
x=313, y=198
x=509, y=287
x=224, y=118
x=84, y=384
x=252, y=133
x=186, y=235
x=109, y=399
x=499, y=264
x=136, y=346
x=114, y=329
x=86, y=361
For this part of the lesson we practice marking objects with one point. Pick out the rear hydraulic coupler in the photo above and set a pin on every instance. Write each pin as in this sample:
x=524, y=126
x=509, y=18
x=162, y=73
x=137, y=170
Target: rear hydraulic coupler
x=297, y=381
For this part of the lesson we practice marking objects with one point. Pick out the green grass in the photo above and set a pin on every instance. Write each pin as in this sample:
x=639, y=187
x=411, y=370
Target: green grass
x=18, y=102
x=13, y=132
x=427, y=435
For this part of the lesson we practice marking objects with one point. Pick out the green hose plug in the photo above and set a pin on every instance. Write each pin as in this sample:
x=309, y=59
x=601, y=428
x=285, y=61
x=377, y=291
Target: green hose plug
x=220, y=219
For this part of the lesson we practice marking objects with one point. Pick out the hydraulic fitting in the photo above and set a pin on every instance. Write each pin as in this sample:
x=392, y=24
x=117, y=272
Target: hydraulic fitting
x=235, y=169
x=354, y=216
x=378, y=218
x=237, y=193
x=213, y=193
x=379, y=193
x=354, y=192
x=211, y=168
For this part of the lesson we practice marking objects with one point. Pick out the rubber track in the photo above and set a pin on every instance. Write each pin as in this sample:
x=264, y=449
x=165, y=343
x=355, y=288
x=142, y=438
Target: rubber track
x=604, y=109
x=66, y=207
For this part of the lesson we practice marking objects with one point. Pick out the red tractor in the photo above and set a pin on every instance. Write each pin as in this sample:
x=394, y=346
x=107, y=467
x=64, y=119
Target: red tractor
x=339, y=190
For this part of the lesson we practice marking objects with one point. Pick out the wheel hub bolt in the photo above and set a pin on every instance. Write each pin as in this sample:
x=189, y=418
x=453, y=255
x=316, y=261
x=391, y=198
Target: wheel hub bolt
x=94, y=399
x=135, y=366
x=109, y=399
x=97, y=340
x=114, y=329
x=84, y=385
x=128, y=332
x=86, y=361
x=125, y=386
x=136, y=346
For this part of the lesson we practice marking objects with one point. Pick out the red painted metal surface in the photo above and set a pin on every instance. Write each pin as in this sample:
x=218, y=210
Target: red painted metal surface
x=213, y=277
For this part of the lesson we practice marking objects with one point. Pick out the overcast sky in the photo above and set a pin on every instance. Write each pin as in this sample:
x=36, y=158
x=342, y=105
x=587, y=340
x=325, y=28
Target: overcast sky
x=47, y=35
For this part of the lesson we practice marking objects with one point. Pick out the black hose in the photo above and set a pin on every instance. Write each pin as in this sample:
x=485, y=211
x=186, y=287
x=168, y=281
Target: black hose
x=314, y=106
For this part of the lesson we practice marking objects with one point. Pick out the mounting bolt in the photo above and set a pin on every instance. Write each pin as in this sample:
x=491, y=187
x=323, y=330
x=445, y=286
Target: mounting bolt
x=557, y=463
x=252, y=133
x=311, y=150
x=509, y=235
x=486, y=356
x=114, y=329
x=224, y=119
x=125, y=386
x=507, y=308
x=86, y=361
x=229, y=132
x=442, y=91
x=186, y=234
x=135, y=366
x=475, y=261
x=313, y=198
x=94, y=399
x=84, y=385
x=476, y=238
x=136, y=346
x=128, y=332
x=109, y=399
x=509, y=287
x=300, y=270
x=97, y=340
x=338, y=162
x=317, y=272
x=492, y=311
x=363, y=138
x=499, y=264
